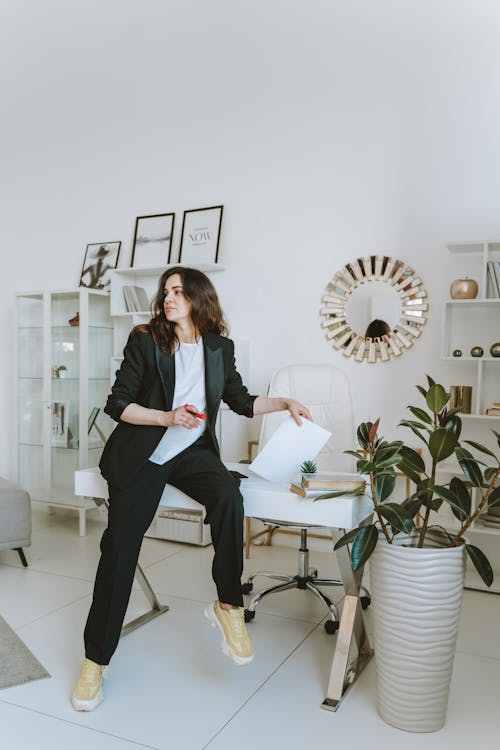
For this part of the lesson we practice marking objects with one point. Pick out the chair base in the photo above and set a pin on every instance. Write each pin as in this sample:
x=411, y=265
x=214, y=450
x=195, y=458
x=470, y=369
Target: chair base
x=306, y=579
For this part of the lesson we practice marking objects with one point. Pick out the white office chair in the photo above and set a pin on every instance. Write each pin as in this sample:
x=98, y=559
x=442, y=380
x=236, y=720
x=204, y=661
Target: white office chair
x=326, y=392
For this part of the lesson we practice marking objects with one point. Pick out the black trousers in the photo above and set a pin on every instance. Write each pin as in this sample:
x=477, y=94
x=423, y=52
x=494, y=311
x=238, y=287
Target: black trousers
x=199, y=473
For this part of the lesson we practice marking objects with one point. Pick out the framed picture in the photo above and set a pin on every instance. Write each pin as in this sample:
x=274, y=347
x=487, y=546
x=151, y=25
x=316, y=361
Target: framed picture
x=152, y=240
x=100, y=258
x=200, y=235
x=59, y=420
x=92, y=418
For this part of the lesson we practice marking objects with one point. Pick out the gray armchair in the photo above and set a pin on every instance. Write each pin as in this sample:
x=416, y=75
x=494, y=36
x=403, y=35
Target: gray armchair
x=15, y=518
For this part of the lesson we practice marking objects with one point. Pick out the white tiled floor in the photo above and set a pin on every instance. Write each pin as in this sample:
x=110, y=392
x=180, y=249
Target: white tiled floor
x=169, y=686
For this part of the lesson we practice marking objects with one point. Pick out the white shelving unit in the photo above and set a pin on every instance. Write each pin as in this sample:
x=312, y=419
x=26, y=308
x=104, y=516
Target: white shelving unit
x=62, y=374
x=469, y=323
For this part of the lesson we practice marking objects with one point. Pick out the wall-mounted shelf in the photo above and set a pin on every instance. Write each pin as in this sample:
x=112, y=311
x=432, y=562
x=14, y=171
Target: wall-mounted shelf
x=468, y=323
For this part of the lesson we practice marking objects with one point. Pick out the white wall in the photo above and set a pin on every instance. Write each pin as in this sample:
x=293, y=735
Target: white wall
x=327, y=128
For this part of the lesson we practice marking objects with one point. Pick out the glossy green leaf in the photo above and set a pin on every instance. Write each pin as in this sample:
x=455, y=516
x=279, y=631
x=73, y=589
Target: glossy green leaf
x=425, y=493
x=388, y=461
x=362, y=433
x=480, y=448
x=357, y=454
x=420, y=414
x=469, y=466
x=346, y=539
x=442, y=444
x=452, y=501
x=436, y=398
x=383, y=451
x=489, y=473
x=494, y=498
x=425, y=489
x=384, y=486
x=397, y=516
x=472, y=472
x=422, y=391
x=462, y=495
x=481, y=563
x=405, y=423
x=497, y=435
x=430, y=381
x=454, y=425
x=412, y=505
x=412, y=464
x=452, y=412
x=363, y=545
x=363, y=466
x=418, y=425
x=339, y=493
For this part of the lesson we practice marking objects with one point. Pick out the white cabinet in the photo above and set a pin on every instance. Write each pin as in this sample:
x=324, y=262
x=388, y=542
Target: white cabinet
x=475, y=323
x=468, y=324
x=64, y=345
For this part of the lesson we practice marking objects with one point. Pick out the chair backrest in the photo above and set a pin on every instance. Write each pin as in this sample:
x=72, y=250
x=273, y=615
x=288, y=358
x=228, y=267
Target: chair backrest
x=327, y=394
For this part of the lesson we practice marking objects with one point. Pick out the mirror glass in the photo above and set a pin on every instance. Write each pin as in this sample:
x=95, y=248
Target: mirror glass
x=373, y=301
x=374, y=308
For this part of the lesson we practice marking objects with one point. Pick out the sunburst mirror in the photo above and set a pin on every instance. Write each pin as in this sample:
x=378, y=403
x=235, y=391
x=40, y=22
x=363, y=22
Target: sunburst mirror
x=374, y=308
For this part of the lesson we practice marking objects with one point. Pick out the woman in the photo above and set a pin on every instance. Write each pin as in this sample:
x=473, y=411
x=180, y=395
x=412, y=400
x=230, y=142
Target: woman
x=175, y=372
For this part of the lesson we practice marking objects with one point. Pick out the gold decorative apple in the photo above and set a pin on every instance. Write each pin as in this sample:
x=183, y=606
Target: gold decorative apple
x=464, y=289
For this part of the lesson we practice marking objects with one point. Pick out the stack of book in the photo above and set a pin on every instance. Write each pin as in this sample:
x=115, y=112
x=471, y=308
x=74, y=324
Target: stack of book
x=494, y=277
x=314, y=485
x=493, y=411
x=136, y=299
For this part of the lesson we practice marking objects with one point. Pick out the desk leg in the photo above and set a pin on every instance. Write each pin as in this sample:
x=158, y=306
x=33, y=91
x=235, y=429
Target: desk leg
x=156, y=607
x=351, y=637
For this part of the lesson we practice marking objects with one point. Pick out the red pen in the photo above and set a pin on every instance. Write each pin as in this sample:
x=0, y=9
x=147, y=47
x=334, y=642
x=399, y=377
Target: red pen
x=195, y=414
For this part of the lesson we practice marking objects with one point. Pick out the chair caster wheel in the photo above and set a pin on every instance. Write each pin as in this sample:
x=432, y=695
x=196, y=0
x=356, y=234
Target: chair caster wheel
x=365, y=601
x=249, y=615
x=246, y=588
x=331, y=627
x=313, y=572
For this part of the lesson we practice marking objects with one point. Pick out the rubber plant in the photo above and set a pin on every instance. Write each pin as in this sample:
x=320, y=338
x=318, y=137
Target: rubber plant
x=438, y=428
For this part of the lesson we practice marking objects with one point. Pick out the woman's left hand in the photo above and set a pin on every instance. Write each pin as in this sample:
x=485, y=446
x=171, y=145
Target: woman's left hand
x=297, y=411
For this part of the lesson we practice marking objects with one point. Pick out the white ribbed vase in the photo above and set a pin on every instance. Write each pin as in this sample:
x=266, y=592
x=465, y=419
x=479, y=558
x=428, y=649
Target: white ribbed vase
x=416, y=596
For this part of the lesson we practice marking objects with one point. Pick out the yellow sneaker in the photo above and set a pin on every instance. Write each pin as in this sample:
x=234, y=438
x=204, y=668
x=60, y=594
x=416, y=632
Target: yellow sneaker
x=88, y=690
x=231, y=622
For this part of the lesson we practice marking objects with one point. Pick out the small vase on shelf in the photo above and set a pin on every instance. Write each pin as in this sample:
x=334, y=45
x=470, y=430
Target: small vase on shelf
x=464, y=289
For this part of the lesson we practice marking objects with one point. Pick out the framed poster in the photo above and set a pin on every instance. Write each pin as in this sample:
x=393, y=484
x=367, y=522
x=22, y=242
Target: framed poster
x=99, y=258
x=200, y=235
x=152, y=241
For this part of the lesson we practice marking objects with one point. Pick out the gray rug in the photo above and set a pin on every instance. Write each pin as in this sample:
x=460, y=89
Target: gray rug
x=17, y=663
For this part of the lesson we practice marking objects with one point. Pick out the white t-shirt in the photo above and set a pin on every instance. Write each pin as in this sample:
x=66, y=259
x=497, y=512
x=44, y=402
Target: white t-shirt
x=189, y=389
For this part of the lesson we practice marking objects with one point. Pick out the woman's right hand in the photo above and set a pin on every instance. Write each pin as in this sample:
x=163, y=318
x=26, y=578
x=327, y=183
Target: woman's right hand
x=180, y=417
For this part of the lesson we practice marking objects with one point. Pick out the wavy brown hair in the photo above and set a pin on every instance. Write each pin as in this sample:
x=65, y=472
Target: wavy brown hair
x=206, y=312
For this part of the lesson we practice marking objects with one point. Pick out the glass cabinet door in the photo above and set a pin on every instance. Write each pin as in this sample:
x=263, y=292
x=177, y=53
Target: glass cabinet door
x=97, y=424
x=65, y=342
x=30, y=392
x=64, y=392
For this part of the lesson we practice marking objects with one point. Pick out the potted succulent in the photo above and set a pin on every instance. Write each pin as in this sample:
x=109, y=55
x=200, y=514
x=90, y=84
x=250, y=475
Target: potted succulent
x=308, y=468
x=416, y=564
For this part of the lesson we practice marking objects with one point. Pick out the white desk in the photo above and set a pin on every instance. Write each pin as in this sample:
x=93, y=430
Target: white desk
x=264, y=499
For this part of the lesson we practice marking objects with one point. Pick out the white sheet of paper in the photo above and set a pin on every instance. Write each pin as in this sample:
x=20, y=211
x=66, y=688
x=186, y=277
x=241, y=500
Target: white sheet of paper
x=281, y=457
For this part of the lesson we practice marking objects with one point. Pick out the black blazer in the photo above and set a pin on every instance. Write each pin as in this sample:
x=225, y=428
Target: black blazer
x=147, y=377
